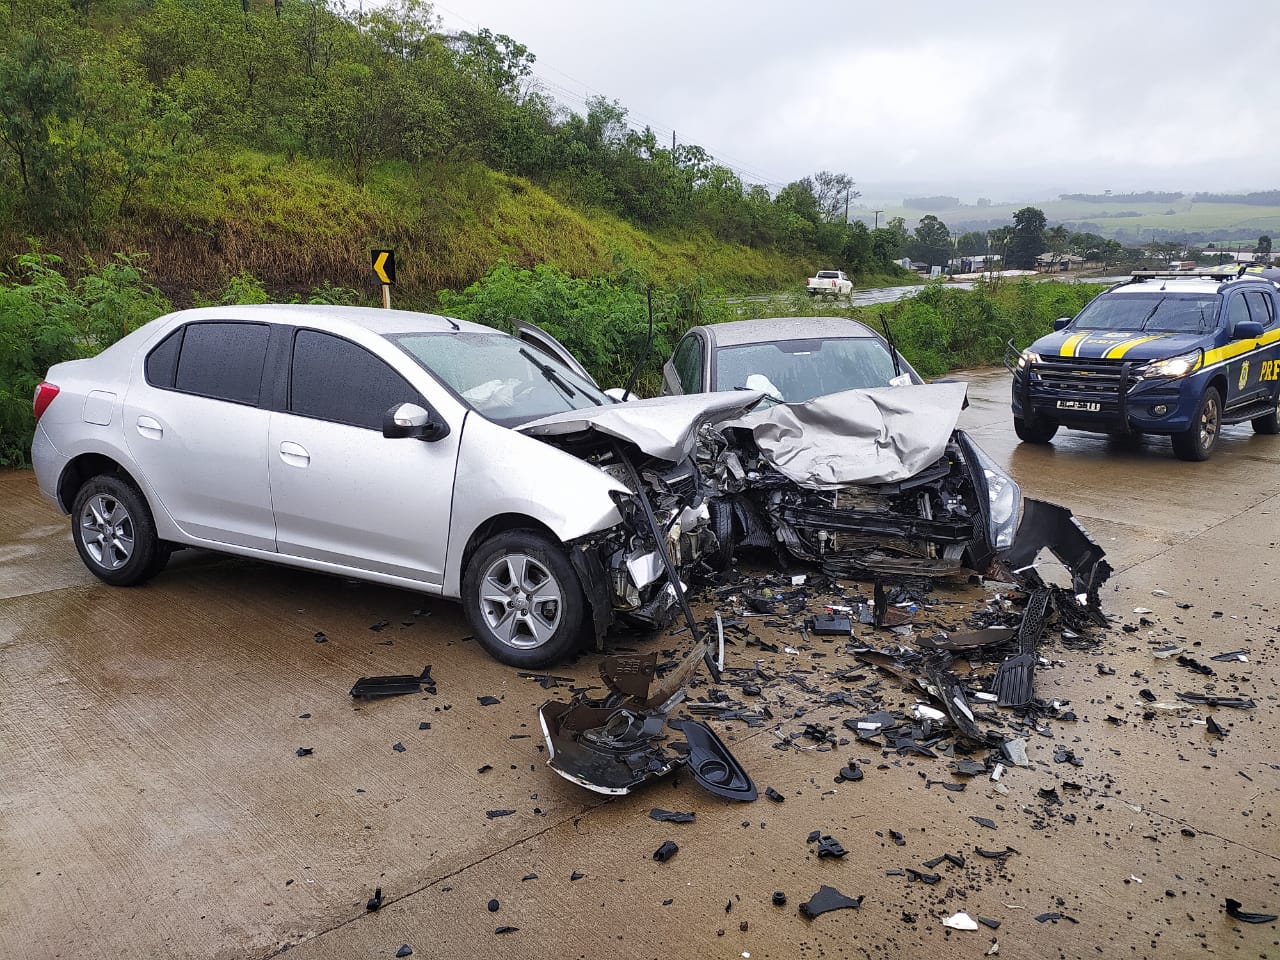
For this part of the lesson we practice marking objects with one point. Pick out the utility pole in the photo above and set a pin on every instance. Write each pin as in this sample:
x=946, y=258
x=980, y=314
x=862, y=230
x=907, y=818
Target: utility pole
x=847, y=190
x=877, y=213
x=673, y=151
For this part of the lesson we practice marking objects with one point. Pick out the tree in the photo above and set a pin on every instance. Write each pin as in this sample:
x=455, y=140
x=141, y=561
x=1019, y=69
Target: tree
x=1026, y=241
x=932, y=242
x=833, y=191
x=972, y=244
x=1262, y=252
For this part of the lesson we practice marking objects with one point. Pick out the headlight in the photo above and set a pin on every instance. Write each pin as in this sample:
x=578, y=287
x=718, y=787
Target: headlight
x=1027, y=357
x=1173, y=367
x=1004, y=497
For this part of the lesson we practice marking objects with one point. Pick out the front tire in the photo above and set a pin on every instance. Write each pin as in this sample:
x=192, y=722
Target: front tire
x=114, y=532
x=1269, y=423
x=1034, y=431
x=1197, y=442
x=523, y=600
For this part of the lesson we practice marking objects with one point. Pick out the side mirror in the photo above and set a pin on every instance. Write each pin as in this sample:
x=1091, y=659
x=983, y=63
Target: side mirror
x=411, y=420
x=1247, y=330
x=1060, y=323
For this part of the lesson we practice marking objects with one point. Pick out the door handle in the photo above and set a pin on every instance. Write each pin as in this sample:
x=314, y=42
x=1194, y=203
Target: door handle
x=150, y=428
x=294, y=454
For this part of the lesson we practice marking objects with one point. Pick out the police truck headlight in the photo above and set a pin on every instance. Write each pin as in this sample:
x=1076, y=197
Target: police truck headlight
x=1027, y=357
x=1173, y=367
x=1004, y=498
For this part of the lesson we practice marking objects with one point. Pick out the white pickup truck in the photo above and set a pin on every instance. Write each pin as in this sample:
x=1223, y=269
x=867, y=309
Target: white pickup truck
x=829, y=283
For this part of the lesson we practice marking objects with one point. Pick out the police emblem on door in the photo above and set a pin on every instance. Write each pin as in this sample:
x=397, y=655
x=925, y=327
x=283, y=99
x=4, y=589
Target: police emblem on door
x=1244, y=375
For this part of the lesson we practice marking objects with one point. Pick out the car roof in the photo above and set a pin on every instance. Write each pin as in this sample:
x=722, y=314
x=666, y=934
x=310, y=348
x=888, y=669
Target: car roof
x=774, y=329
x=373, y=319
x=1189, y=284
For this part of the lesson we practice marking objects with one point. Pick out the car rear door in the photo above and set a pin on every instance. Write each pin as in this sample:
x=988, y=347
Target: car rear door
x=196, y=428
x=344, y=494
x=539, y=339
x=1263, y=375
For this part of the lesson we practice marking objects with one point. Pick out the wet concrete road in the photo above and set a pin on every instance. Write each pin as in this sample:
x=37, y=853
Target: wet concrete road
x=151, y=802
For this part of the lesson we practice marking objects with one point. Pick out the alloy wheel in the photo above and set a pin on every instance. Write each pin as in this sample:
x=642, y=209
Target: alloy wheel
x=521, y=601
x=107, y=531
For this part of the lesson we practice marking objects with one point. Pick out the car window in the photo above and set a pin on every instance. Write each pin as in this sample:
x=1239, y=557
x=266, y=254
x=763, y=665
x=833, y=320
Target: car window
x=336, y=380
x=162, y=361
x=799, y=370
x=1155, y=312
x=1261, y=307
x=507, y=381
x=688, y=364
x=222, y=360
x=1237, y=312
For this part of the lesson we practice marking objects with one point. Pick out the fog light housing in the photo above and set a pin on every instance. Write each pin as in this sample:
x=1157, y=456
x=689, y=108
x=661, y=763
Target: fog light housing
x=1160, y=409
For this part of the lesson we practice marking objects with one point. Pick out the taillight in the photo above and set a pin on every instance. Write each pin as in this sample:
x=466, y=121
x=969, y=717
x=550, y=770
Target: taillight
x=45, y=392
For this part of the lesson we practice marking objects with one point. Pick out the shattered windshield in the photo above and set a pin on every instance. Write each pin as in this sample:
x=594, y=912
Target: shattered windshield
x=793, y=371
x=500, y=377
x=1151, y=313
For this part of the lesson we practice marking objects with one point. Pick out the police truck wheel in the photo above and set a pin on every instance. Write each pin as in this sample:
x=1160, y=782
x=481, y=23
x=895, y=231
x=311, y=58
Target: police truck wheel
x=1198, y=441
x=1269, y=424
x=1034, y=431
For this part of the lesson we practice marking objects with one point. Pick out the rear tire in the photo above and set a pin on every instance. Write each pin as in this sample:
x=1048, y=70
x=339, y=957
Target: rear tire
x=1034, y=431
x=1197, y=442
x=114, y=532
x=1268, y=423
x=523, y=600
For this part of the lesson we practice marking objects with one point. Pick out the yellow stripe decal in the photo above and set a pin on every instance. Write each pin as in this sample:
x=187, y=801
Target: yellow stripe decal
x=1068, y=348
x=1240, y=347
x=1120, y=349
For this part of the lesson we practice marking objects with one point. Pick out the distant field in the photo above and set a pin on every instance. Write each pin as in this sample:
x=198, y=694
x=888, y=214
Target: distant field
x=1179, y=215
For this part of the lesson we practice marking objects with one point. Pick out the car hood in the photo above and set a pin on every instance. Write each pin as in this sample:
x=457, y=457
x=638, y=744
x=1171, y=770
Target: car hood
x=882, y=435
x=1118, y=344
x=663, y=427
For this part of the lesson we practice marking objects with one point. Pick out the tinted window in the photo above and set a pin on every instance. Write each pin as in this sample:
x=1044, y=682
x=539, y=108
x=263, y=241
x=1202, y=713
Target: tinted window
x=1261, y=307
x=162, y=362
x=223, y=360
x=334, y=379
x=688, y=364
x=1237, y=312
x=1155, y=312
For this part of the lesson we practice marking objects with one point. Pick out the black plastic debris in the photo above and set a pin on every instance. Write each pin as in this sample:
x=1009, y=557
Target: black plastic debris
x=1048, y=525
x=494, y=814
x=320, y=637
x=1240, y=656
x=374, y=903
x=923, y=876
x=711, y=763
x=494, y=905
x=850, y=774
x=1194, y=665
x=826, y=900
x=369, y=688
x=305, y=751
x=1234, y=911
x=779, y=898
x=1213, y=727
x=969, y=768
x=404, y=951
x=398, y=747
x=988, y=922
x=774, y=795
x=830, y=625
x=665, y=852
x=995, y=854
x=576, y=876
x=1208, y=700
x=898, y=839
x=1054, y=918
x=505, y=929
x=1147, y=695
x=829, y=848
x=984, y=822
x=528, y=876
x=487, y=701
x=670, y=816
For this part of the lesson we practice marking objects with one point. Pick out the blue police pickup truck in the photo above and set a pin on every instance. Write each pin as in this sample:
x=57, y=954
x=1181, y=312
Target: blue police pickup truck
x=1177, y=354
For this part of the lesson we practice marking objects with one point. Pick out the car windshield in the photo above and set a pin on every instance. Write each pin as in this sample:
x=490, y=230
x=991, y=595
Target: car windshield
x=1151, y=313
x=500, y=377
x=793, y=371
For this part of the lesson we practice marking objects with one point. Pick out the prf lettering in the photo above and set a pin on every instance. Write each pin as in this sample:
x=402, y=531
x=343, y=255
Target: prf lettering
x=1270, y=370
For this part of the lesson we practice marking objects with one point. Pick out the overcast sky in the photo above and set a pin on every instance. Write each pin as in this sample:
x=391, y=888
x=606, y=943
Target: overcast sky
x=1009, y=100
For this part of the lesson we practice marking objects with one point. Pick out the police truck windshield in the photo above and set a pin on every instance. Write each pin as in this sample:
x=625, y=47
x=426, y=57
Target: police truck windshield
x=1151, y=313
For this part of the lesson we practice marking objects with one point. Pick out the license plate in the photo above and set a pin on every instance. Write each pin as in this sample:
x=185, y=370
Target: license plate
x=1078, y=405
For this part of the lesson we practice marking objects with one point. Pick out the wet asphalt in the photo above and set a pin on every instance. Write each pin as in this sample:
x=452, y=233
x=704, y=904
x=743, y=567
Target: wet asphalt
x=152, y=802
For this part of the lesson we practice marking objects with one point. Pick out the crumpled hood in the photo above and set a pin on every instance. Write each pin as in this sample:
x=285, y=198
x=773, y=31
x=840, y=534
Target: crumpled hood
x=882, y=435
x=1119, y=344
x=663, y=427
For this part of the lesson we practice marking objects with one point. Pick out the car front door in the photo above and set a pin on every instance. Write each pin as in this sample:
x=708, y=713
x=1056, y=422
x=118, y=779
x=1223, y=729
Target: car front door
x=195, y=429
x=683, y=372
x=344, y=494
